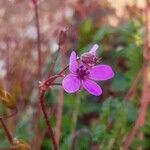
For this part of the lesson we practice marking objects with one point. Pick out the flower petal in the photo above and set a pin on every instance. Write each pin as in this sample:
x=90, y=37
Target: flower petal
x=93, y=49
x=92, y=87
x=101, y=72
x=71, y=83
x=73, y=62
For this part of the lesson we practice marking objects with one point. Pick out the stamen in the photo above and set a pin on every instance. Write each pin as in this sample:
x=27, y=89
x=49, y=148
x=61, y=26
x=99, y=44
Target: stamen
x=82, y=72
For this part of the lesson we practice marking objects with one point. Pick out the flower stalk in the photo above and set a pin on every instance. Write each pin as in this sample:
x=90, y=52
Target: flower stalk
x=42, y=93
x=43, y=87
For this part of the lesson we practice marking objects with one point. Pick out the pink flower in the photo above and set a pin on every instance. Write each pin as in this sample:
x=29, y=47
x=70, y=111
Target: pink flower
x=83, y=76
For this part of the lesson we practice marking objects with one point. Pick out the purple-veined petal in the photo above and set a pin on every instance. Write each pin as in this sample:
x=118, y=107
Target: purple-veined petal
x=71, y=83
x=93, y=49
x=92, y=87
x=73, y=62
x=101, y=72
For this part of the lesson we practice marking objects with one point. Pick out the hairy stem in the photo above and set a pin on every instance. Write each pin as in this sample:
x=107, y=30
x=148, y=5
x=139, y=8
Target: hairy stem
x=50, y=130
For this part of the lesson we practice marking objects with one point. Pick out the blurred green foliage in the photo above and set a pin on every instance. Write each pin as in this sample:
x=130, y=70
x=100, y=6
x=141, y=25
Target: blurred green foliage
x=108, y=118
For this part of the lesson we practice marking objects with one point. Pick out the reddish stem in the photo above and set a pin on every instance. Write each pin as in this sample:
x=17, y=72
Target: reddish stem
x=8, y=135
x=50, y=130
x=38, y=36
x=54, y=62
x=144, y=103
x=62, y=37
x=133, y=87
x=142, y=110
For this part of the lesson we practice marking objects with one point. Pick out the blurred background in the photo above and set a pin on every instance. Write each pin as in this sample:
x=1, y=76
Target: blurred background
x=119, y=116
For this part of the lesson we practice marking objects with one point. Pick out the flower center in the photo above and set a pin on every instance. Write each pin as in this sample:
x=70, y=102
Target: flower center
x=82, y=72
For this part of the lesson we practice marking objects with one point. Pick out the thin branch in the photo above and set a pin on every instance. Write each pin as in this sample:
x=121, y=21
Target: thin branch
x=43, y=87
x=142, y=111
x=62, y=37
x=63, y=70
x=8, y=134
x=6, y=116
x=54, y=62
x=38, y=36
x=55, y=83
x=133, y=87
x=145, y=99
x=42, y=93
